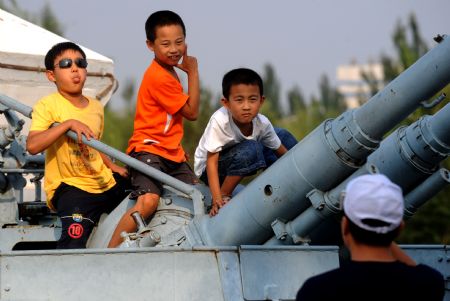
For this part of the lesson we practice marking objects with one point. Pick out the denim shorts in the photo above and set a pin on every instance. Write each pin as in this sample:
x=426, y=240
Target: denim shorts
x=287, y=139
x=247, y=157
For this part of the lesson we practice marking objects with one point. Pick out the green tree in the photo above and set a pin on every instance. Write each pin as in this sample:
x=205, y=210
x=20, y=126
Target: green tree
x=46, y=18
x=12, y=7
x=49, y=21
x=408, y=50
x=330, y=98
x=268, y=109
x=306, y=116
x=272, y=92
x=296, y=100
x=374, y=86
x=409, y=47
x=119, y=124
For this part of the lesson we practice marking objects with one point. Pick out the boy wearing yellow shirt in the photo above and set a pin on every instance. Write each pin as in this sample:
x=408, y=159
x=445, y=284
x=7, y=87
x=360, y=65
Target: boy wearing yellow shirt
x=79, y=182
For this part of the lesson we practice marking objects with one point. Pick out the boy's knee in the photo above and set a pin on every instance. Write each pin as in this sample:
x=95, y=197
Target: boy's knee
x=146, y=204
x=244, y=159
x=248, y=152
x=287, y=139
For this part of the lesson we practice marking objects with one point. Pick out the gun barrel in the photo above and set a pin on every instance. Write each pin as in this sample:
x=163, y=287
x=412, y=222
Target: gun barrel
x=427, y=189
x=423, y=145
x=398, y=98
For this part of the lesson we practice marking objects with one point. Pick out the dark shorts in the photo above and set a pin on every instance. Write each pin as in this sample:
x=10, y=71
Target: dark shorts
x=142, y=183
x=80, y=211
x=247, y=157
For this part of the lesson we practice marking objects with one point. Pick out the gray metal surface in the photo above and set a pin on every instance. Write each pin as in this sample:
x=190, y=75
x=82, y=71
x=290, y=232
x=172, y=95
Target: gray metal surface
x=228, y=263
x=161, y=274
x=324, y=205
x=437, y=257
x=169, y=274
x=415, y=150
x=425, y=191
x=277, y=273
x=11, y=237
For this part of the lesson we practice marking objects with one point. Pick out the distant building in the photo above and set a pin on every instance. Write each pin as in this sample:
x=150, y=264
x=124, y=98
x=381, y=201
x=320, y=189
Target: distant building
x=353, y=87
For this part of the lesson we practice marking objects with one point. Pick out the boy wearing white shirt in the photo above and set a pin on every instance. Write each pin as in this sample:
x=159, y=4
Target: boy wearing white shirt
x=238, y=140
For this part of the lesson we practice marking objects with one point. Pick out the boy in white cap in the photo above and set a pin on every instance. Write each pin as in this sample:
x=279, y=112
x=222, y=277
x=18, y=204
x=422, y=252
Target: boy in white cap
x=378, y=269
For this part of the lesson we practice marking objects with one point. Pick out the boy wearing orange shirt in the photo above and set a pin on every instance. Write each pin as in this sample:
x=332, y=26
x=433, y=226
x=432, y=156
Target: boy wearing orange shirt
x=161, y=107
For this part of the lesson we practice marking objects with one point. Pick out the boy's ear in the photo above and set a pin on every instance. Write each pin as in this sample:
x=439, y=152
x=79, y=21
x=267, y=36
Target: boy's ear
x=149, y=44
x=262, y=99
x=50, y=75
x=225, y=102
x=344, y=226
x=402, y=226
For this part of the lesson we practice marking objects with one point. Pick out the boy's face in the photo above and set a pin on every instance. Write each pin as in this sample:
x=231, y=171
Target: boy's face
x=244, y=103
x=169, y=45
x=71, y=79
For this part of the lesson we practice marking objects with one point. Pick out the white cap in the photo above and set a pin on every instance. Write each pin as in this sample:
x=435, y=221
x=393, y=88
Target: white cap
x=374, y=197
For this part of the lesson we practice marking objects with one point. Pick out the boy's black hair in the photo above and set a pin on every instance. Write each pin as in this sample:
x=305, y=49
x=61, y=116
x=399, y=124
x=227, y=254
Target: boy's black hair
x=372, y=238
x=162, y=18
x=241, y=76
x=57, y=50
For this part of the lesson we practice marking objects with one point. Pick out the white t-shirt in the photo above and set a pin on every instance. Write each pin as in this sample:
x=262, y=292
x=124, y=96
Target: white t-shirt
x=222, y=133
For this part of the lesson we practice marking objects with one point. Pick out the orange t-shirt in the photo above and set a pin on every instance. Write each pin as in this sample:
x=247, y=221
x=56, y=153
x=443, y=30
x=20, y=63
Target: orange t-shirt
x=158, y=124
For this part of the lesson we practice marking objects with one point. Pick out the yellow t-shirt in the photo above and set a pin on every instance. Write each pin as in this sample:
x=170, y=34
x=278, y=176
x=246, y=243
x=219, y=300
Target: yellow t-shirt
x=65, y=160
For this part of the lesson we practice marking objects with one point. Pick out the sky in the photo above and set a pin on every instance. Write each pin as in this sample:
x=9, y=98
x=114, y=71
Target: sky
x=302, y=40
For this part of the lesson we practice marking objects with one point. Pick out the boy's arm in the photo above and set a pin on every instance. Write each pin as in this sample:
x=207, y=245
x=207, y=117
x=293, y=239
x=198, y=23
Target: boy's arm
x=281, y=150
x=114, y=167
x=191, y=107
x=401, y=255
x=39, y=141
x=212, y=169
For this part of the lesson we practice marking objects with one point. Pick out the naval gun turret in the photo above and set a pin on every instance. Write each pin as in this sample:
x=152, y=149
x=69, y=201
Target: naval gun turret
x=259, y=245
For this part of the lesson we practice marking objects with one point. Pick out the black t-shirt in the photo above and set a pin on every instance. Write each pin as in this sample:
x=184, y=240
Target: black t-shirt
x=375, y=281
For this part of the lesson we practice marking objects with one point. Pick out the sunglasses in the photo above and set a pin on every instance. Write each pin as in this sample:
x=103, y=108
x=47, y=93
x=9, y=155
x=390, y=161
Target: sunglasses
x=67, y=63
